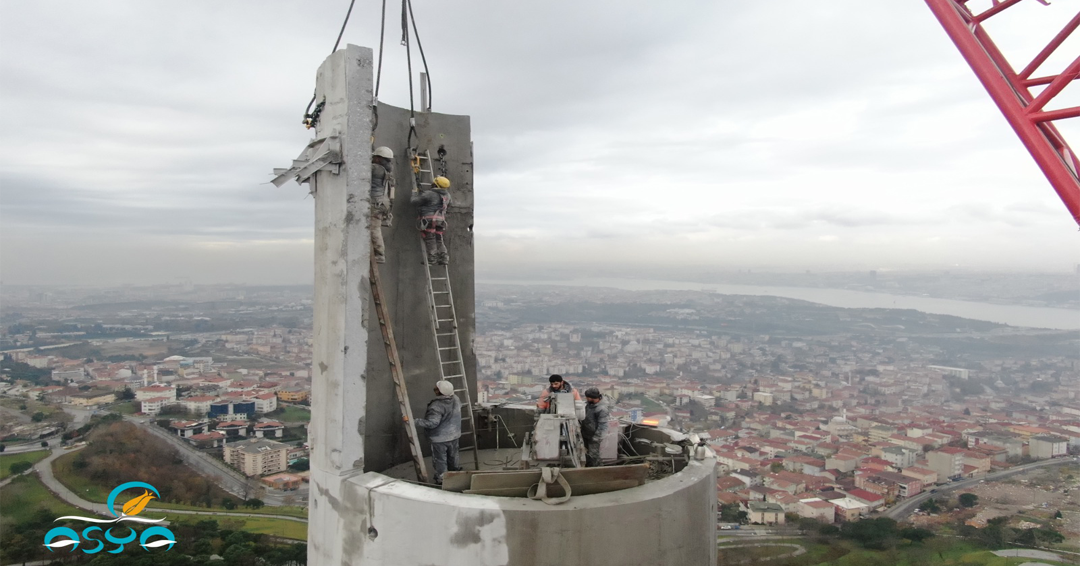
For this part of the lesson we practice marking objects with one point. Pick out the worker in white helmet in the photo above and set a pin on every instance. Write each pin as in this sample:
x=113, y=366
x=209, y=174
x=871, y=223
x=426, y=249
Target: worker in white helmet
x=431, y=204
x=443, y=424
x=382, y=185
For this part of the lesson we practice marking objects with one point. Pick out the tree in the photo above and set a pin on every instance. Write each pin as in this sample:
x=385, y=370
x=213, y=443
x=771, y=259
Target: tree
x=828, y=530
x=3, y=447
x=730, y=513
x=19, y=467
x=44, y=443
x=967, y=411
x=916, y=534
x=126, y=395
x=875, y=534
x=37, y=417
x=930, y=506
x=968, y=499
x=254, y=503
x=1058, y=514
x=228, y=503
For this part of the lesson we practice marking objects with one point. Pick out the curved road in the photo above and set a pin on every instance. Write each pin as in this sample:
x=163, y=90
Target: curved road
x=904, y=509
x=44, y=470
x=799, y=549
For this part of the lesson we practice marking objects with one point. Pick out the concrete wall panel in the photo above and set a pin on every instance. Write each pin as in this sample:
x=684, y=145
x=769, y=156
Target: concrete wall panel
x=405, y=285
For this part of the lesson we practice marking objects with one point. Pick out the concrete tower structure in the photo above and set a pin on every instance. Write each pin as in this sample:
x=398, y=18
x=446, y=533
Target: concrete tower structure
x=360, y=512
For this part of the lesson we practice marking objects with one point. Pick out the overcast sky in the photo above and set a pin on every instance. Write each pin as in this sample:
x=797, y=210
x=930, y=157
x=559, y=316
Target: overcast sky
x=139, y=136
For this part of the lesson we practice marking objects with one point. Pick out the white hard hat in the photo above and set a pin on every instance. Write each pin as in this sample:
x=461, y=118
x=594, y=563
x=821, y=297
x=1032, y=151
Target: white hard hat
x=383, y=151
x=445, y=387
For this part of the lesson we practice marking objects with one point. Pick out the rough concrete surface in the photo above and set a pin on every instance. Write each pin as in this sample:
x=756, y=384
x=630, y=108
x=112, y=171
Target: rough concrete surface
x=666, y=522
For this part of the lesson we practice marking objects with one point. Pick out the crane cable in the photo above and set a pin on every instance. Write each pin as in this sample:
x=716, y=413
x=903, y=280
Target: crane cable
x=312, y=118
x=407, y=17
x=378, y=72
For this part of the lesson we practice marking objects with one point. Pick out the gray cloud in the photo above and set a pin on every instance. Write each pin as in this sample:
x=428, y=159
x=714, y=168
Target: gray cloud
x=776, y=134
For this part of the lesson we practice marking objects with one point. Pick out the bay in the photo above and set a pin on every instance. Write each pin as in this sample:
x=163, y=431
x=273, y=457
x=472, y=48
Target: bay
x=1013, y=315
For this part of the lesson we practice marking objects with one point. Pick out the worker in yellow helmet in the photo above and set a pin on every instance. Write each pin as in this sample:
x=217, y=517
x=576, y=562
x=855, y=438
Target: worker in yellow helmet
x=431, y=203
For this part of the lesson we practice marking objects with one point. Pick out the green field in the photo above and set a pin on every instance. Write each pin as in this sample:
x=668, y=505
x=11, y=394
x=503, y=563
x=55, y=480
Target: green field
x=24, y=496
x=940, y=551
x=275, y=527
x=292, y=414
x=125, y=408
x=6, y=460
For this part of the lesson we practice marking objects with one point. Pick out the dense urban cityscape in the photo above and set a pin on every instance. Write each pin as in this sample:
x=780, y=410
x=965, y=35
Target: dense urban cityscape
x=815, y=413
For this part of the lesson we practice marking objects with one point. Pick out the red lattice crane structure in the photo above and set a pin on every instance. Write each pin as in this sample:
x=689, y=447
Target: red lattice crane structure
x=1026, y=113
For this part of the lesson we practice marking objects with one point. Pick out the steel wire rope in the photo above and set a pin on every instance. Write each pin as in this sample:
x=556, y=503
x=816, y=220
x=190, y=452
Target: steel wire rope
x=307, y=112
x=378, y=72
x=420, y=47
x=408, y=64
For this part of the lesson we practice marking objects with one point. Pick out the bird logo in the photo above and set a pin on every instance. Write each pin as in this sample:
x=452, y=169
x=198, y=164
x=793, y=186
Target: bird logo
x=137, y=504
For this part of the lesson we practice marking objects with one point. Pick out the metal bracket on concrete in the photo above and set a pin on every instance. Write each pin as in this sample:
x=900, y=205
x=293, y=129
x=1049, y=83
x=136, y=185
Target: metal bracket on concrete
x=320, y=155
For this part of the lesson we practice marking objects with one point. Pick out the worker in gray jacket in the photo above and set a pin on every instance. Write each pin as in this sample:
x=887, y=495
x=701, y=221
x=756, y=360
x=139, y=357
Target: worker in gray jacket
x=594, y=426
x=443, y=424
x=431, y=204
x=382, y=185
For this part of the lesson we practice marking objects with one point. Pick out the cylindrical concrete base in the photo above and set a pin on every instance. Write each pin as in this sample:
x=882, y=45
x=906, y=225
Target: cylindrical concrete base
x=671, y=521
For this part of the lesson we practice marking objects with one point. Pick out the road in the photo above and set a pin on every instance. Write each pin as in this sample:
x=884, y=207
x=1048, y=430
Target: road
x=44, y=470
x=798, y=550
x=28, y=447
x=227, y=478
x=902, y=510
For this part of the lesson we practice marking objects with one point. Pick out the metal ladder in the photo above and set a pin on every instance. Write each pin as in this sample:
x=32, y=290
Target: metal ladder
x=448, y=345
x=444, y=323
x=395, y=372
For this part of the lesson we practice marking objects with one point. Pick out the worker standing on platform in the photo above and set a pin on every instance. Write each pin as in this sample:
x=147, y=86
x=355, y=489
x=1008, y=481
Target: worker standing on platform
x=443, y=424
x=556, y=385
x=594, y=426
x=382, y=185
x=431, y=204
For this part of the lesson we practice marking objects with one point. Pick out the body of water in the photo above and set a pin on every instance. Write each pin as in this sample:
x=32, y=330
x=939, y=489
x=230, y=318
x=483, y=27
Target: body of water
x=1013, y=315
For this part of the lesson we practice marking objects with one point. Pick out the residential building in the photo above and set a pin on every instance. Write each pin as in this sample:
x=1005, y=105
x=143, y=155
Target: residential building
x=257, y=457
x=765, y=513
x=948, y=462
x=848, y=509
x=91, y=398
x=817, y=508
x=1046, y=447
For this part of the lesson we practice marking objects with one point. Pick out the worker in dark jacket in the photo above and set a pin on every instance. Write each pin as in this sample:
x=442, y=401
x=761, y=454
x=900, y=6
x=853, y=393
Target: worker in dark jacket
x=382, y=185
x=594, y=426
x=556, y=384
x=431, y=204
x=443, y=424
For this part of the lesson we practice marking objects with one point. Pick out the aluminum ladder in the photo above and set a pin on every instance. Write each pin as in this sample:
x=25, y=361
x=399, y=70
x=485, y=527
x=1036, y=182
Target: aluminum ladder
x=395, y=372
x=444, y=323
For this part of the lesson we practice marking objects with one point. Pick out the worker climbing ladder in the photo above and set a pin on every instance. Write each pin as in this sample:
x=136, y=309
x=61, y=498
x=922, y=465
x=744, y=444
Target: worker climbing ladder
x=395, y=372
x=444, y=323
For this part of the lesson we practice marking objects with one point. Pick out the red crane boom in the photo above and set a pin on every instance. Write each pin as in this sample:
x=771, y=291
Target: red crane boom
x=1026, y=113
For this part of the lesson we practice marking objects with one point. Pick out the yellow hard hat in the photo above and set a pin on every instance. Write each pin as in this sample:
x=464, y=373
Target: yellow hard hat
x=442, y=182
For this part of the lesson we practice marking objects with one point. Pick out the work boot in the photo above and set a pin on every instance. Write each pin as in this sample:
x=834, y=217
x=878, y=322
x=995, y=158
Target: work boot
x=442, y=258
